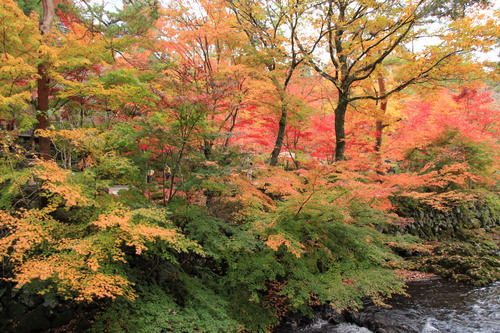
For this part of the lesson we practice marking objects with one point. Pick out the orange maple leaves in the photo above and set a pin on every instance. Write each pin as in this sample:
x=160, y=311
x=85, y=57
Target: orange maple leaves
x=57, y=181
x=80, y=266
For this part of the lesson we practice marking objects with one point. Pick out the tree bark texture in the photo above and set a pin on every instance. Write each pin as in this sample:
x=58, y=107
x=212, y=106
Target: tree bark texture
x=43, y=89
x=340, y=111
x=280, y=138
x=379, y=126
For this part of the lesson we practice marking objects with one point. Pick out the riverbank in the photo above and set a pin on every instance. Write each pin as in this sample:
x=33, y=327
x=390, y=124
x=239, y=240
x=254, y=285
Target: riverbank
x=432, y=305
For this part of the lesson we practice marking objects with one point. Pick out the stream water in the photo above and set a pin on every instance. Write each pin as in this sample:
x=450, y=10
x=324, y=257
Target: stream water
x=434, y=306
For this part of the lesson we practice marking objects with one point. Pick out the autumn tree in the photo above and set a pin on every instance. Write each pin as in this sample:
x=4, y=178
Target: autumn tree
x=352, y=39
x=43, y=92
x=199, y=53
x=266, y=23
x=215, y=240
x=445, y=149
x=20, y=41
x=67, y=56
x=81, y=259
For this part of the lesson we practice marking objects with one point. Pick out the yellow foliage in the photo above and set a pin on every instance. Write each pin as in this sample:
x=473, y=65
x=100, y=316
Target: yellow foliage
x=136, y=235
x=106, y=286
x=71, y=277
x=43, y=249
x=278, y=182
x=23, y=234
x=240, y=200
x=83, y=138
x=56, y=180
x=19, y=38
x=275, y=241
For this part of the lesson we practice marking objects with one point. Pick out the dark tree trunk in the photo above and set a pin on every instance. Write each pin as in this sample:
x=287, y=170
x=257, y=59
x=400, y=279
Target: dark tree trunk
x=280, y=137
x=340, y=111
x=43, y=82
x=207, y=148
x=42, y=110
x=378, y=134
x=233, y=118
x=379, y=126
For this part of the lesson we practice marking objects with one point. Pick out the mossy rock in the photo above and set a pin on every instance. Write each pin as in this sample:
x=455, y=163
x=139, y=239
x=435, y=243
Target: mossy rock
x=33, y=321
x=473, y=260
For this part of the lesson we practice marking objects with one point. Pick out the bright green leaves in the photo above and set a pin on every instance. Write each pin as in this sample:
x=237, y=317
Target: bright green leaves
x=325, y=258
x=314, y=247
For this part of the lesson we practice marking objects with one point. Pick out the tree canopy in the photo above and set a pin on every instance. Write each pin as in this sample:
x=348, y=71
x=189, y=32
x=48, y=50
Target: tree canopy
x=217, y=166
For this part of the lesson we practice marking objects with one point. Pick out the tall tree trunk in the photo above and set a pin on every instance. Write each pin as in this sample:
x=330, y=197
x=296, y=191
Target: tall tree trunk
x=378, y=134
x=280, y=137
x=379, y=126
x=43, y=82
x=340, y=111
x=42, y=108
x=233, y=118
x=207, y=148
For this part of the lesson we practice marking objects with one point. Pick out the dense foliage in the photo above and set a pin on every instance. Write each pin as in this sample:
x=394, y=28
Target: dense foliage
x=199, y=166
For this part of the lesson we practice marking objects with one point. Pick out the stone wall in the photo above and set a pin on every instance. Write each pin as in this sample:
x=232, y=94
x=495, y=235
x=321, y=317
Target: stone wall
x=24, y=312
x=429, y=223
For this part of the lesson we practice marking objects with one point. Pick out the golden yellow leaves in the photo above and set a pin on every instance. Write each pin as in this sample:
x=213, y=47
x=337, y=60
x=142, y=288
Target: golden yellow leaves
x=81, y=265
x=56, y=181
x=19, y=39
x=79, y=259
x=72, y=279
x=143, y=233
x=452, y=175
x=120, y=219
x=476, y=31
x=136, y=235
x=106, y=286
x=23, y=234
x=278, y=182
x=15, y=25
x=275, y=241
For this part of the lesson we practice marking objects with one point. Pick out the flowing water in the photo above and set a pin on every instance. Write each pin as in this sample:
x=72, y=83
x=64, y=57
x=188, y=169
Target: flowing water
x=435, y=306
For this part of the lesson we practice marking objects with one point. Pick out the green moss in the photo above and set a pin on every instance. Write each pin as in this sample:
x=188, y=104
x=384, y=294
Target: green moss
x=492, y=201
x=473, y=260
x=157, y=311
